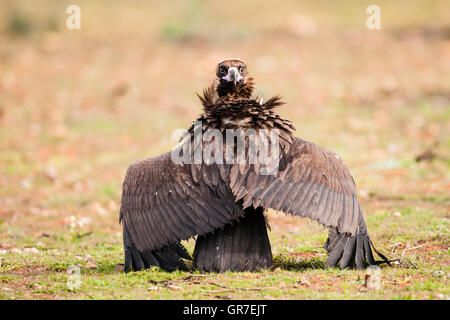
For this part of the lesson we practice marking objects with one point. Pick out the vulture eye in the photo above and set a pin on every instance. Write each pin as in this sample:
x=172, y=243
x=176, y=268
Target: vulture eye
x=241, y=69
x=222, y=69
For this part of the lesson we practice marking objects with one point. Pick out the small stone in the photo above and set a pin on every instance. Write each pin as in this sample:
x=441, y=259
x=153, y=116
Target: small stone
x=50, y=173
x=363, y=193
x=99, y=209
x=26, y=183
x=154, y=289
x=397, y=214
x=91, y=265
x=438, y=274
x=31, y=250
x=372, y=279
x=119, y=267
x=172, y=287
x=305, y=283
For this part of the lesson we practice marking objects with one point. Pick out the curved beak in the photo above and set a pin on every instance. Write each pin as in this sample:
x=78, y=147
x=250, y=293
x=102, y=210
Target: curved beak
x=233, y=75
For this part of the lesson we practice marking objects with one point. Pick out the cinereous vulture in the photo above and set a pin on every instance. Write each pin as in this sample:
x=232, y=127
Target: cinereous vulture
x=223, y=203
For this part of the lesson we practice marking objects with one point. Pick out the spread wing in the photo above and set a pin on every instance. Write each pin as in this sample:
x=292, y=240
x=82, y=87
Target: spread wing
x=163, y=203
x=311, y=182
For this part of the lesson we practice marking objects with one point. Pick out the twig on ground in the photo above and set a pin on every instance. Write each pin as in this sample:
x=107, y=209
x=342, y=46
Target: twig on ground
x=237, y=289
x=197, y=276
x=406, y=262
x=414, y=266
x=417, y=247
x=407, y=248
x=82, y=235
x=166, y=282
x=187, y=278
x=394, y=246
x=404, y=250
x=218, y=285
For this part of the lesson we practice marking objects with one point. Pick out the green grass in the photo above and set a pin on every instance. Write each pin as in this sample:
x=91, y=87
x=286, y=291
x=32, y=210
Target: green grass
x=293, y=276
x=76, y=107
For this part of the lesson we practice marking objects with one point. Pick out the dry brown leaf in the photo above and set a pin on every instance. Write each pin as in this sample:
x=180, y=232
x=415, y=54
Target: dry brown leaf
x=173, y=287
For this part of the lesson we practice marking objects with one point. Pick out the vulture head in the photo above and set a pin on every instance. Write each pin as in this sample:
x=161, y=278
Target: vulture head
x=233, y=79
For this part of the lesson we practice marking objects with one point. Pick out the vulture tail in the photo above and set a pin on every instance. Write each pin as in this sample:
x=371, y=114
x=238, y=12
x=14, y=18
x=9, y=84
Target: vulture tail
x=241, y=246
x=168, y=258
x=351, y=251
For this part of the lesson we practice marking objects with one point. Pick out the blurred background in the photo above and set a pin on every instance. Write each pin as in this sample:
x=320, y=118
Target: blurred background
x=77, y=106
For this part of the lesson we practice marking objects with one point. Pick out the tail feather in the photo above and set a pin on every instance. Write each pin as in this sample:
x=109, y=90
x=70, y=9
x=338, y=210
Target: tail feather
x=349, y=251
x=369, y=255
x=359, y=254
x=241, y=246
x=348, y=256
x=382, y=256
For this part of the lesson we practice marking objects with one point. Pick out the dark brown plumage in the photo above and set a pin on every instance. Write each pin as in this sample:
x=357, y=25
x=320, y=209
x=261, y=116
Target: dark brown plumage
x=164, y=203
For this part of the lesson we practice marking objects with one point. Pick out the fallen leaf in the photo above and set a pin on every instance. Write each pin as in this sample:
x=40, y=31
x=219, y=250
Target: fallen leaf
x=438, y=274
x=50, y=173
x=172, y=287
x=119, y=267
x=304, y=282
x=154, y=289
x=224, y=297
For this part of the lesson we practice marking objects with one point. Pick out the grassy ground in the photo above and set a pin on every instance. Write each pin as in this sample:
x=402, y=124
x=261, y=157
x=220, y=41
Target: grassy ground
x=76, y=107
